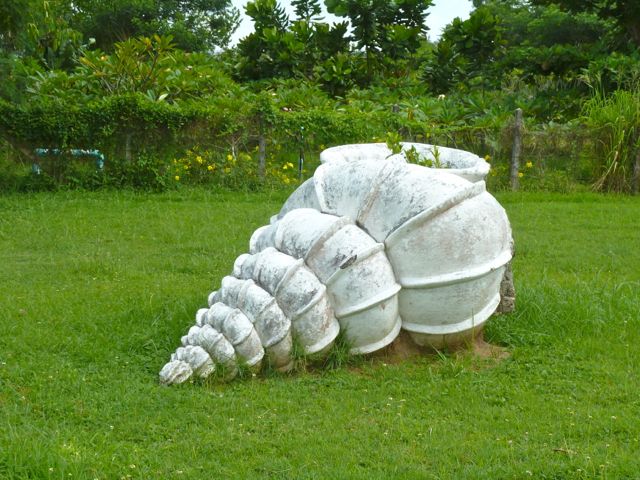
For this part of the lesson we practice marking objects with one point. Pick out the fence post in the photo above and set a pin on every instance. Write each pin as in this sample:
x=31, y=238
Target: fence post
x=517, y=149
x=262, y=155
x=301, y=157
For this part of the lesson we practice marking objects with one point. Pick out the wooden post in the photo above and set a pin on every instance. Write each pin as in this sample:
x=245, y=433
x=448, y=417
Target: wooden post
x=517, y=149
x=262, y=155
x=301, y=157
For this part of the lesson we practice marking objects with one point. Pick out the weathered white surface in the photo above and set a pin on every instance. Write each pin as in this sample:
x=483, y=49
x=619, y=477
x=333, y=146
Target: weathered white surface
x=358, y=277
x=196, y=357
x=298, y=292
x=175, y=372
x=271, y=324
x=447, y=239
x=459, y=162
x=366, y=247
x=259, y=306
x=238, y=330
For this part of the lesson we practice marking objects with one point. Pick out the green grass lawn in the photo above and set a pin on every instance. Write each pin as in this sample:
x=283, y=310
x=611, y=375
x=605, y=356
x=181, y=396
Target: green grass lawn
x=98, y=287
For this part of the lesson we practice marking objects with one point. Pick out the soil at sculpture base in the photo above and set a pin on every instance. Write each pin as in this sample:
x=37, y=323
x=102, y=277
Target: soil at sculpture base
x=403, y=348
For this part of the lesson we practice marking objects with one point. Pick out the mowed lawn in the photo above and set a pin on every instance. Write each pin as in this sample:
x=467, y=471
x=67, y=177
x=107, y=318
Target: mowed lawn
x=97, y=288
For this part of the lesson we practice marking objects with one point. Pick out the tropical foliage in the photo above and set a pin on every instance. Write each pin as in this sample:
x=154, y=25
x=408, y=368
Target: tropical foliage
x=147, y=83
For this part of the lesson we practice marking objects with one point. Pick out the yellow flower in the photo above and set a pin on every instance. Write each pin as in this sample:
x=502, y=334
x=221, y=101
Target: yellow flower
x=199, y=159
x=286, y=180
x=322, y=147
x=177, y=178
x=186, y=167
x=487, y=157
x=289, y=165
x=529, y=164
x=210, y=168
x=285, y=166
x=229, y=157
x=520, y=174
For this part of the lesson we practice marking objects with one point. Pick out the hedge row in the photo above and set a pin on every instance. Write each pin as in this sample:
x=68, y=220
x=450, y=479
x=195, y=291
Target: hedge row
x=114, y=123
x=132, y=127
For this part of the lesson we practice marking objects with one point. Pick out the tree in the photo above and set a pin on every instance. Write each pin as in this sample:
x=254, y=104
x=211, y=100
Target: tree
x=380, y=27
x=39, y=29
x=502, y=37
x=261, y=52
x=195, y=25
x=321, y=41
x=626, y=13
x=405, y=29
x=267, y=14
x=306, y=10
x=44, y=35
x=13, y=20
x=466, y=50
x=281, y=48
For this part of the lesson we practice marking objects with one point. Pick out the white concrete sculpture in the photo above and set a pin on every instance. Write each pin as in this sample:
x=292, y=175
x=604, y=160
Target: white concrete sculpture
x=365, y=247
x=459, y=162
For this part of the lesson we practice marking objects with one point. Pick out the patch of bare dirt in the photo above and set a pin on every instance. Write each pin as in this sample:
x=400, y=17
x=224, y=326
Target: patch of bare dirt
x=403, y=348
x=486, y=350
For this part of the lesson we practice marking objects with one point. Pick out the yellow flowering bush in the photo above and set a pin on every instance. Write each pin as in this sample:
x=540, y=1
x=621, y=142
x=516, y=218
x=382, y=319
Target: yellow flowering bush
x=230, y=169
x=285, y=173
x=201, y=166
x=532, y=177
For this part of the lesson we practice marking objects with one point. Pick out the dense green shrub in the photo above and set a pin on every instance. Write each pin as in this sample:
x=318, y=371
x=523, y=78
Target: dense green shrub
x=615, y=120
x=142, y=137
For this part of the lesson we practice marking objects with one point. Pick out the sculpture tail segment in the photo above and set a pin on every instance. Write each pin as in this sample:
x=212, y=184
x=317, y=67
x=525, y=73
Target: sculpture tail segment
x=365, y=247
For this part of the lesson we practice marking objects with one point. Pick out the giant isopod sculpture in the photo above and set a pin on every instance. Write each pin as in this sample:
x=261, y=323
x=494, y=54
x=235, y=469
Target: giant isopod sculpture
x=370, y=245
